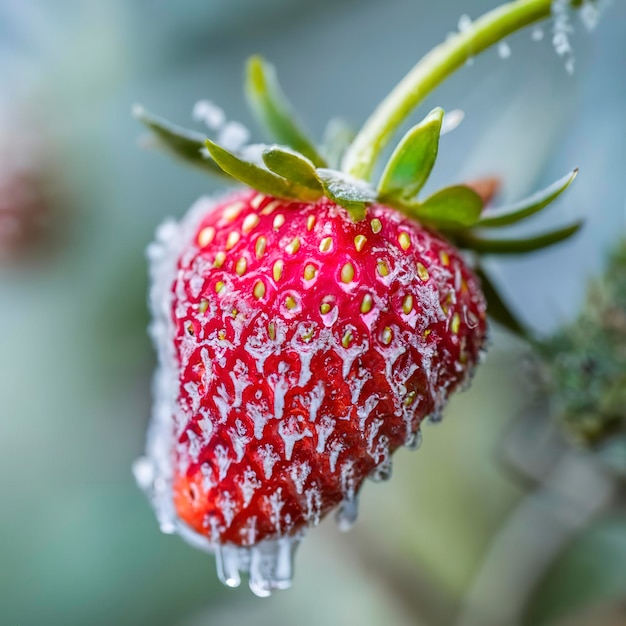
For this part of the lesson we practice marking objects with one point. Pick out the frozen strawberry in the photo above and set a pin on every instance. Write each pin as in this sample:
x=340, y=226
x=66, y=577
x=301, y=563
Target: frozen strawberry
x=308, y=324
x=310, y=347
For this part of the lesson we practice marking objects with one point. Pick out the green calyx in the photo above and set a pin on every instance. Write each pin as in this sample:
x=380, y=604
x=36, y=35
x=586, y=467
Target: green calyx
x=296, y=169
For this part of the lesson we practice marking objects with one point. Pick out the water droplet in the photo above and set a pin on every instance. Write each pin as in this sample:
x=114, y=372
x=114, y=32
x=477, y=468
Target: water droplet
x=227, y=565
x=167, y=527
x=143, y=471
x=590, y=15
x=537, y=34
x=271, y=565
x=414, y=441
x=452, y=120
x=465, y=23
x=483, y=353
x=347, y=513
x=382, y=472
x=504, y=50
x=436, y=416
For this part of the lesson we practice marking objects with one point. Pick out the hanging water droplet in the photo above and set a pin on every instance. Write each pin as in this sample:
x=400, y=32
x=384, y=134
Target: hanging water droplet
x=167, y=526
x=467, y=381
x=436, y=416
x=227, y=565
x=271, y=565
x=347, y=513
x=483, y=353
x=382, y=472
x=143, y=471
x=414, y=441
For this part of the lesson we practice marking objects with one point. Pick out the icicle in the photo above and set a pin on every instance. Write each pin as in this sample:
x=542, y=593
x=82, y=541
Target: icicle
x=347, y=513
x=436, y=416
x=227, y=563
x=415, y=440
x=382, y=472
x=271, y=565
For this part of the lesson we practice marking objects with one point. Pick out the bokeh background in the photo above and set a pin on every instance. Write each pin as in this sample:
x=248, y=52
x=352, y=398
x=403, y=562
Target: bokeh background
x=457, y=526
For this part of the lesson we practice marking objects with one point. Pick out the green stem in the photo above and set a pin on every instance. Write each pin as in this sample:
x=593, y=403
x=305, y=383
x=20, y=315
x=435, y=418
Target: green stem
x=432, y=70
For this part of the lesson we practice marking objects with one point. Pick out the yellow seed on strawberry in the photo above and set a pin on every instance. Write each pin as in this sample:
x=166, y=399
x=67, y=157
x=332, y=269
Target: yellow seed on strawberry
x=259, y=289
x=277, y=269
x=347, y=273
x=366, y=303
x=250, y=222
x=259, y=248
x=206, y=236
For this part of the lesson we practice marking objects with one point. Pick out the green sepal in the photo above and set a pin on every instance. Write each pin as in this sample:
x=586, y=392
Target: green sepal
x=338, y=136
x=273, y=110
x=182, y=143
x=413, y=159
x=292, y=166
x=497, y=309
x=452, y=207
x=529, y=206
x=516, y=246
x=352, y=194
x=258, y=177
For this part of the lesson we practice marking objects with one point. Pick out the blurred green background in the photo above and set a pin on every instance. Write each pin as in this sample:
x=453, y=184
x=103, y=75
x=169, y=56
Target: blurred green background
x=78, y=542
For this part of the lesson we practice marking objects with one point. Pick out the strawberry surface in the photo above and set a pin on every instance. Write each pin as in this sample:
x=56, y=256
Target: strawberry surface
x=308, y=348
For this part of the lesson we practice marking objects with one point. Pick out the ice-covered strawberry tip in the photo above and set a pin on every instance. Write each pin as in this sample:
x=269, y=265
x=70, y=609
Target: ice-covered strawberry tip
x=307, y=325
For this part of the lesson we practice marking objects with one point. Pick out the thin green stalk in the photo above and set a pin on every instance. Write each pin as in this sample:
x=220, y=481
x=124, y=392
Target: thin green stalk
x=433, y=69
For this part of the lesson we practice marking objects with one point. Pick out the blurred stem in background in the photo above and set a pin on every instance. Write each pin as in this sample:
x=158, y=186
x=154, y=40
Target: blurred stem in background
x=574, y=493
x=580, y=381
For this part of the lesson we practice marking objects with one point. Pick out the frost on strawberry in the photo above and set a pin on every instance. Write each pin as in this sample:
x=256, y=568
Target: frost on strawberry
x=308, y=324
x=309, y=350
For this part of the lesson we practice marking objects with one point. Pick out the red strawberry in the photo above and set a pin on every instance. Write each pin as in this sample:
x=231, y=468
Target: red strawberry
x=308, y=348
x=306, y=329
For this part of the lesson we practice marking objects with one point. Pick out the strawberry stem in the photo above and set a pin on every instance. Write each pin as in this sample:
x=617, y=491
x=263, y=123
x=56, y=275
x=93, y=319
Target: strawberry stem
x=432, y=70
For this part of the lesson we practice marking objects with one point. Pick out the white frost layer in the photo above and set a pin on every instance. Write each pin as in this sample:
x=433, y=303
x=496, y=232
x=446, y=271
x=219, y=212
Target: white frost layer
x=154, y=472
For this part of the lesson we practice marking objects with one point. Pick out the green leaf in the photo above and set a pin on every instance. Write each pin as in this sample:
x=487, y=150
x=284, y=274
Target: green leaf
x=274, y=111
x=452, y=207
x=185, y=144
x=338, y=135
x=413, y=159
x=352, y=194
x=292, y=166
x=517, y=246
x=497, y=309
x=258, y=177
x=527, y=207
